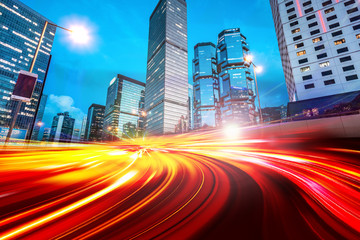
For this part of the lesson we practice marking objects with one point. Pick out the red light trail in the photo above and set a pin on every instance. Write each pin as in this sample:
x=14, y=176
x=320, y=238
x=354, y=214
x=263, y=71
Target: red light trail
x=184, y=186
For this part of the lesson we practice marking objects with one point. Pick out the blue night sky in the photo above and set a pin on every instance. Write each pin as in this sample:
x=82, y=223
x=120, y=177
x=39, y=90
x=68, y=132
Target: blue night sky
x=79, y=76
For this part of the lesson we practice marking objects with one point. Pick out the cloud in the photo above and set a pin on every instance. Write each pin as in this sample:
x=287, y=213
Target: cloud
x=57, y=104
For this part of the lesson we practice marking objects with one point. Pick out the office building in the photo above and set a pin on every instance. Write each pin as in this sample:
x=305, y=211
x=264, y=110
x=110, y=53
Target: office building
x=20, y=29
x=62, y=128
x=206, y=86
x=124, y=102
x=83, y=128
x=191, y=107
x=167, y=67
x=39, y=117
x=235, y=79
x=319, y=47
x=94, y=123
x=46, y=134
x=75, y=135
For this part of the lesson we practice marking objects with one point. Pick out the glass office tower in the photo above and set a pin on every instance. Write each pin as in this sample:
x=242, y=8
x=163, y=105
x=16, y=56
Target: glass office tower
x=94, y=123
x=125, y=97
x=39, y=117
x=206, y=86
x=62, y=128
x=20, y=29
x=235, y=79
x=167, y=67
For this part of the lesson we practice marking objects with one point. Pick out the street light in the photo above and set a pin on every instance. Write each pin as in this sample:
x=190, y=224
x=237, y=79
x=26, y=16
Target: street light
x=259, y=69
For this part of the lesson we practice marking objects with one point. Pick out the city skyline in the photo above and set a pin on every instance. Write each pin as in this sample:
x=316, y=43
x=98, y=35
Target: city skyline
x=67, y=85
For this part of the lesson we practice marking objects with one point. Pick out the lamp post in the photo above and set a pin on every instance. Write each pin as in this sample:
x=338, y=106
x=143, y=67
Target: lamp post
x=249, y=59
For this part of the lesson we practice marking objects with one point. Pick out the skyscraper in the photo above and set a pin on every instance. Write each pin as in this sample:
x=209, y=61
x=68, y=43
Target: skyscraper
x=20, y=27
x=235, y=79
x=319, y=46
x=75, y=135
x=39, y=117
x=46, y=135
x=191, y=106
x=206, y=86
x=94, y=123
x=125, y=97
x=167, y=67
x=83, y=127
x=62, y=128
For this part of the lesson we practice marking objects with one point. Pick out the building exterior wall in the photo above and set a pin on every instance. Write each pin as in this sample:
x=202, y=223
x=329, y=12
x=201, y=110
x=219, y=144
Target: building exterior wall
x=167, y=69
x=321, y=40
x=62, y=128
x=235, y=79
x=39, y=117
x=20, y=28
x=206, y=86
x=94, y=123
x=125, y=98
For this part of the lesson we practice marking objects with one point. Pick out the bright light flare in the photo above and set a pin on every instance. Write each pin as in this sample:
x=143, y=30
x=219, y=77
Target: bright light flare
x=232, y=131
x=259, y=69
x=80, y=34
x=249, y=58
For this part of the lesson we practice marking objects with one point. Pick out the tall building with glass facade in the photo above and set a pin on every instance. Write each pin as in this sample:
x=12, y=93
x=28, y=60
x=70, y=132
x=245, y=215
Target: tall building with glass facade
x=20, y=29
x=39, y=117
x=191, y=106
x=235, y=79
x=94, y=123
x=123, y=110
x=319, y=46
x=167, y=67
x=206, y=86
x=62, y=128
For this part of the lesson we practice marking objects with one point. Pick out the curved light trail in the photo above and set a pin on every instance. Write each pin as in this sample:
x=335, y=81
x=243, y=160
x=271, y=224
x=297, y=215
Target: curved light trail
x=200, y=185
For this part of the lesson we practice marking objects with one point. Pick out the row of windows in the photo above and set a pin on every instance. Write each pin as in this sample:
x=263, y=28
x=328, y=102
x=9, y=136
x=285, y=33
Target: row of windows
x=325, y=73
x=331, y=81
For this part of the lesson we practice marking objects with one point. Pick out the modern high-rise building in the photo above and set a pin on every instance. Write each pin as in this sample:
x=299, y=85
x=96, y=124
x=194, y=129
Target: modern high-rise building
x=94, y=123
x=20, y=29
x=191, y=106
x=206, y=86
x=39, y=117
x=62, y=128
x=319, y=46
x=83, y=128
x=46, y=134
x=75, y=135
x=235, y=79
x=167, y=67
x=124, y=102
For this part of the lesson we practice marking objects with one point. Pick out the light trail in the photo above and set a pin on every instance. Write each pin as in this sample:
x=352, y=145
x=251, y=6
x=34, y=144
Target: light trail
x=185, y=186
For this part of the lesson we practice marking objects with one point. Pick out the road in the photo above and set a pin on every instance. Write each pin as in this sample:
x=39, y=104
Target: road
x=193, y=186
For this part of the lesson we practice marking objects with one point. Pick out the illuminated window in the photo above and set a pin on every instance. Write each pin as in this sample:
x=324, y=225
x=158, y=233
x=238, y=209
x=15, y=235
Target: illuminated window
x=341, y=41
x=329, y=10
x=295, y=30
x=324, y=64
x=357, y=36
x=318, y=39
x=305, y=69
x=301, y=53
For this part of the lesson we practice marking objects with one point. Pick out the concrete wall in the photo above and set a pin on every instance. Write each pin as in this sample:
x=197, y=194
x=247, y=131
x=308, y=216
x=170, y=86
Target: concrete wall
x=342, y=126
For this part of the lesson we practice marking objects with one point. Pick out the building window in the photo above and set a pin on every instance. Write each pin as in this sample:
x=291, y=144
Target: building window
x=326, y=73
x=323, y=55
x=326, y=3
x=334, y=34
x=295, y=30
x=290, y=10
x=324, y=64
x=305, y=69
x=331, y=18
x=349, y=3
x=342, y=50
x=352, y=10
x=329, y=10
x=334, y=25
x=306, y=3
x=315, y=32
x=308, y=86
x=356, y=27
x=294, y=23
x=289, y=4
x=301, y=53
x=318, y=39
x=357, y=36
x=304, y=60
x=345, y=59
x=320, y=47
x=292, y=17
x=299, y=45
x=313, y=24
x=307, y=77
x=340, y=41
x=351, y=77
x=348, y=68
x=310, y=17
x=309, y=10
x=356, y=18
x=329, y=82
x=297, y=38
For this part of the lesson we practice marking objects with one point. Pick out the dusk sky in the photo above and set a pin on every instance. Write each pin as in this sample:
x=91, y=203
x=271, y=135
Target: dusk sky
x=79, y=76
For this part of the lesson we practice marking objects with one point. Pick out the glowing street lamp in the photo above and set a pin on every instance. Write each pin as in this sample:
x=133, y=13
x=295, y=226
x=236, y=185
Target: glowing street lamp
x=257, y=69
